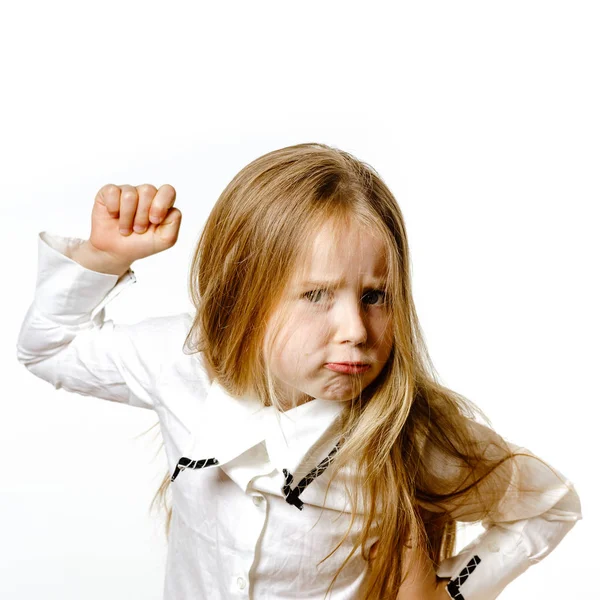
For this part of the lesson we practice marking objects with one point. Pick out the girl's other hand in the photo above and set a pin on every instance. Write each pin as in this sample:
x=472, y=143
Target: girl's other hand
x=129, y=223
x=422, y=583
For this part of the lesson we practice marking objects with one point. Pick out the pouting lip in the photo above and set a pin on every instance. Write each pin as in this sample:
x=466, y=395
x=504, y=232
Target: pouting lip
x=351, y=364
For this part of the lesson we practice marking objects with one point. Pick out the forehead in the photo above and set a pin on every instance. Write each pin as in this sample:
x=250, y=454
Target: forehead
x=340, y=250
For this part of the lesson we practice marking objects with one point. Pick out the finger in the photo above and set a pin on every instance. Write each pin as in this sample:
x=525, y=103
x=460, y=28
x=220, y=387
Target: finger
x=127, y=209
x=168, y=230
x=162, y=203
x=146, y=193
x=110, y=195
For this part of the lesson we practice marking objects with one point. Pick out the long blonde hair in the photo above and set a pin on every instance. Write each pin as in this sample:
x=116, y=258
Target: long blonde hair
x=419, y=461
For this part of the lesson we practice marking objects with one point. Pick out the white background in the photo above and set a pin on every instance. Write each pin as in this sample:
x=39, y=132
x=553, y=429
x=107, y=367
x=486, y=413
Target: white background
x=482, y=117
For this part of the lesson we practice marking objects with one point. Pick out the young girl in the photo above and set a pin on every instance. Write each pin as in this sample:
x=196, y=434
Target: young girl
x=312, y=452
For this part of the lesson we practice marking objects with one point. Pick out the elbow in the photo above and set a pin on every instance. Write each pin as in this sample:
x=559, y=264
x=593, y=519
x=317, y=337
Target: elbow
x=24, y=357
x=41, y=366
x=27, y=356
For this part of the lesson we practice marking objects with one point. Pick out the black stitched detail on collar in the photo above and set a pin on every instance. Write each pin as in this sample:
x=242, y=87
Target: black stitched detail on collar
x=292, y=496
x=188, y=463
x=454, y=585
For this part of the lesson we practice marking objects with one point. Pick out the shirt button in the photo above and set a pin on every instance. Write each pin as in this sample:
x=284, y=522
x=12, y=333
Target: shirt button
x=241, y=583
x=493, y=547
x=257, y=500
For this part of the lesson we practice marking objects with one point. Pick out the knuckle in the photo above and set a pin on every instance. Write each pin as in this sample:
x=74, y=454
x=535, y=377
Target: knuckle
x=128, y=195
x=109, y=188
x=146, y=188
x=168, y=188
x=109, y=193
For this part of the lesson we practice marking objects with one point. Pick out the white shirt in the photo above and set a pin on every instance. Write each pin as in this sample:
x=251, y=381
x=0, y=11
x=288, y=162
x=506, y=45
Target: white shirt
x=233, y=535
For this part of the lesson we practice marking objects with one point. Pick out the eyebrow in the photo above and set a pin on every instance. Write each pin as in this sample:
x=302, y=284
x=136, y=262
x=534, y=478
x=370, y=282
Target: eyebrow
x=328, y=284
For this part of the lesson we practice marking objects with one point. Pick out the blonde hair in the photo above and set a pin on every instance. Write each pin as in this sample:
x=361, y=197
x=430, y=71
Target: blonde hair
x=413, y=443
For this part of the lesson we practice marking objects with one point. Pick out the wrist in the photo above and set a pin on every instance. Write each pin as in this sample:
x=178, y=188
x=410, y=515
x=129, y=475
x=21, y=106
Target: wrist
x=90, y=257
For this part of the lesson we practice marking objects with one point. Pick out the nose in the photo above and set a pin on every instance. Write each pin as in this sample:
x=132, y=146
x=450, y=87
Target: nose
x=350, y=322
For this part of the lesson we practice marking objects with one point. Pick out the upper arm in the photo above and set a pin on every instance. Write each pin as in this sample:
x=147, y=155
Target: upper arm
x=486, y=479
x=521, y=486
x=100, y=358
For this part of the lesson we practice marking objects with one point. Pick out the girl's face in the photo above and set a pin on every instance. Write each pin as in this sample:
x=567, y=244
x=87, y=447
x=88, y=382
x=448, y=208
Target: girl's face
x=324, y=326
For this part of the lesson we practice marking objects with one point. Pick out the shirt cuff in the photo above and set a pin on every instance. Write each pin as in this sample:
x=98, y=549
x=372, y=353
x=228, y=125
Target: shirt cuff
x=68, y=291
x=487, y=565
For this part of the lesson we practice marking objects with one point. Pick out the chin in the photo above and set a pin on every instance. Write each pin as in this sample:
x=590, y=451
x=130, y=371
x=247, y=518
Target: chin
x=337, y=396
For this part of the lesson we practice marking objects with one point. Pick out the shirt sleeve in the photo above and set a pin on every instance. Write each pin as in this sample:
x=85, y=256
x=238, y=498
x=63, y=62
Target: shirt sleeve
x=539, y=507
x=65, y=339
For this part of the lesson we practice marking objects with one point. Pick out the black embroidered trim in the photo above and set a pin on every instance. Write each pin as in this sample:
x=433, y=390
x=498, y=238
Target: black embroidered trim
x=188, y=463
x=292, y=496
x=454, y=585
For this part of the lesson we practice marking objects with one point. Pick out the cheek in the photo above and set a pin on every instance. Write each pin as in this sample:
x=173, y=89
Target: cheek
x=294, y=339
x=306, y=329
x=303, y=341
x=302, y=335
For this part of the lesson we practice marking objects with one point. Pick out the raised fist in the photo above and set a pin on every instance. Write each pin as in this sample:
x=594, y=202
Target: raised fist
x=129, y=223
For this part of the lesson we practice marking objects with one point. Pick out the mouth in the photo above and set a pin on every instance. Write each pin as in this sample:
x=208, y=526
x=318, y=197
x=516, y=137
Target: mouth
x=353, y=364
x=348, y=367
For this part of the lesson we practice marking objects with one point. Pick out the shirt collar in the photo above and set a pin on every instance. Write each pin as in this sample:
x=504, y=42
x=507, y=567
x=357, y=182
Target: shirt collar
x=293, y=434
x=230, y=426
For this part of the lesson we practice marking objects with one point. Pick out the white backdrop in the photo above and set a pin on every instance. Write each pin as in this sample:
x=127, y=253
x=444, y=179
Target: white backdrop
x=481, y=117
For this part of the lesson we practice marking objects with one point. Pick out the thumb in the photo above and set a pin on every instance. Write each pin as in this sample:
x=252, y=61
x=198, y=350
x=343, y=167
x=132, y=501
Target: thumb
x=168, y=230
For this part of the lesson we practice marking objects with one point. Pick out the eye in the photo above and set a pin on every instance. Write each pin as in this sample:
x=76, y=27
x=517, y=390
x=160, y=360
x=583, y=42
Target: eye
x=373, y=295
x=313, y=295
x=371, y=298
